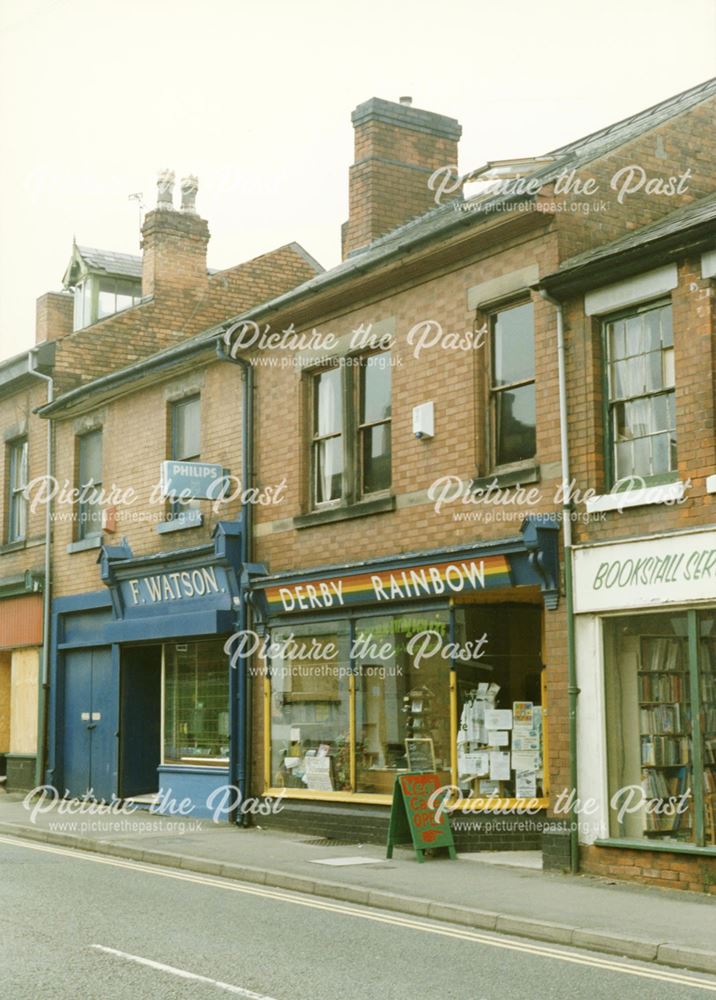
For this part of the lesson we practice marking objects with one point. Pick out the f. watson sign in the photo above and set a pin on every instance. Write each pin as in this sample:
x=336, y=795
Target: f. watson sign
x=675, y=569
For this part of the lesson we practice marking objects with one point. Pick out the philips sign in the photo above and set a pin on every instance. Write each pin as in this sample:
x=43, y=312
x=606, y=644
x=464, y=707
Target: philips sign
x=193, y=480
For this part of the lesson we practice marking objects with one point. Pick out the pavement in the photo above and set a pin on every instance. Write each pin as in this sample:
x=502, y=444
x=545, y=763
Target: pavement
x=666, y=927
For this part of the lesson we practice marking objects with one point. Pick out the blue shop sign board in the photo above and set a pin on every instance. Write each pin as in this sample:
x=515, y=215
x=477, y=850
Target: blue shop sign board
x=190, y=591
x=193, y=480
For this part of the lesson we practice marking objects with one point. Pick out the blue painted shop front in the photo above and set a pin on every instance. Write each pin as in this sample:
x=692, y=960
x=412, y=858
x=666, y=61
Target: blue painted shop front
x=141, y=688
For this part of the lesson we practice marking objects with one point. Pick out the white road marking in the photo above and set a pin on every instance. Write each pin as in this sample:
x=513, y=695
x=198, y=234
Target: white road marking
x=662, y=974
x=238, y=991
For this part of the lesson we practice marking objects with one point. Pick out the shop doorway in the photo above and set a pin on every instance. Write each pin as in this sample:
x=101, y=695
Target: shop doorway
x=89, y=741
x=140, y=720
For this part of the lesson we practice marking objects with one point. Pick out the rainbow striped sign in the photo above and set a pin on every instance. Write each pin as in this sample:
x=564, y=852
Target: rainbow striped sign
x=424, y=580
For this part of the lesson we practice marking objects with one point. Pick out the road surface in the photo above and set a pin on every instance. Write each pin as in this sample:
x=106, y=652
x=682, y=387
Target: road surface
x=80, y=926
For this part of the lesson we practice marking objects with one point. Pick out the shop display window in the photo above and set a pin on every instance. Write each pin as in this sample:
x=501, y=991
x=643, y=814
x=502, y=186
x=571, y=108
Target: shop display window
x=196, y=703
x=402, y=697
x=500, y=746
x=660, y=678
x=310, y=710
x=353, y=703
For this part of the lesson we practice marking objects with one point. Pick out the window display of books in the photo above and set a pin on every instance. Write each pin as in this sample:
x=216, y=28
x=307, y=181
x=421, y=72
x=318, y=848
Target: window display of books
x=708, y=702
x=665, y=733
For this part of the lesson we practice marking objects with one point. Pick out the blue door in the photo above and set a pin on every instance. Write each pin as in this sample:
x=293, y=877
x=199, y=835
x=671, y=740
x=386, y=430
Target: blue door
x=90, y=724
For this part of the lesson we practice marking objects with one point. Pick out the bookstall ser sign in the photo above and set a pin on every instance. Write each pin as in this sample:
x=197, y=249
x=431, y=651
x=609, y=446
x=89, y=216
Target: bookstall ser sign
x=414, y=816
x=647, y=572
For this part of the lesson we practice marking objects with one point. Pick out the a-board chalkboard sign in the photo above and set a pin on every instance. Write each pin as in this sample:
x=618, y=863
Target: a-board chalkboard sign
x=413, y=819
x=420, y=754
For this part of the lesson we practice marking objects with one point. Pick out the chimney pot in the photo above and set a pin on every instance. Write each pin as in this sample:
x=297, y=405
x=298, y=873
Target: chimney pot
x=407, y=101
x=165, y=190
x=189, y=188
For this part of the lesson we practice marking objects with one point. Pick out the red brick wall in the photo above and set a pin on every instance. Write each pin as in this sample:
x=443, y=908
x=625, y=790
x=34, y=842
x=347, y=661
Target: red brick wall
x=662, y=868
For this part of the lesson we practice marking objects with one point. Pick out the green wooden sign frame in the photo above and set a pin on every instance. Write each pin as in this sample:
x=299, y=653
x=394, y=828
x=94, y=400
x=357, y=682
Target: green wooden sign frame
x=412, y=821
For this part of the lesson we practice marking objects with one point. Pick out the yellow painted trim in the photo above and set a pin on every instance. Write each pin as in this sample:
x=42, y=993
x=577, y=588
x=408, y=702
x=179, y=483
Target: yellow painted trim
x=453, y=727
x=363, y=798
x=545, y=723
x=352, y=729
x=267, y=731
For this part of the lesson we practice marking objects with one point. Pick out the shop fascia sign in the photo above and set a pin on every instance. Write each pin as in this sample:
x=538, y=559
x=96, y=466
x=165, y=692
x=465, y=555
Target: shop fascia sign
x=193, y=480
x=383, y=586
x=671, y=569
x=528, y=559
x=180, y=583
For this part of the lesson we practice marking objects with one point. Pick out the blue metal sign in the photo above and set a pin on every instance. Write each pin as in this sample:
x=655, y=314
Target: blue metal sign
x=193, y=480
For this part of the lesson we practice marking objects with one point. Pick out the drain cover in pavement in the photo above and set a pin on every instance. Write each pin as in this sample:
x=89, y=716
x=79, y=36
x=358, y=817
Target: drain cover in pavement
x=327, y=842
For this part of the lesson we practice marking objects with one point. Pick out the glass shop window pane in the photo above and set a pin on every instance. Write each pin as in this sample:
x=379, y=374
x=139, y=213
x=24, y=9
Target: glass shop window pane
x=649, y=728
x=196, y=703
x=707, y=694
x=499, y=701
x=310, y=713
x=400, y=696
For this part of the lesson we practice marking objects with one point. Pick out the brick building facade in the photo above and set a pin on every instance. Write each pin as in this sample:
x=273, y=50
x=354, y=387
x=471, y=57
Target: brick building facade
x=402, y=436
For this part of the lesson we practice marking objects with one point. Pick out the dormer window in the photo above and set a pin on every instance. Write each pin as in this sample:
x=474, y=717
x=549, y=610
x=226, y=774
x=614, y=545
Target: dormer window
x=97, y=297
x=103, y=282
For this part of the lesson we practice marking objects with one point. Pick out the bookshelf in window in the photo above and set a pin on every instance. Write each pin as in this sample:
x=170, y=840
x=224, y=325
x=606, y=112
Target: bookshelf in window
x=707, y=691
x=665, y=725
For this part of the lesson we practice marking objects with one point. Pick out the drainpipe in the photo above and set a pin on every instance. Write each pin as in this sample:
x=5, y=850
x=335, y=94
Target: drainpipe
x=572, y=689
x=44, y=687
x=239, y=680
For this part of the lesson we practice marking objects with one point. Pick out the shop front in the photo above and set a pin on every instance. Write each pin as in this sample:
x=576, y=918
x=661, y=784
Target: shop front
x=428, y=661
x=141, y=706
x=646, y=663
x=20, y=649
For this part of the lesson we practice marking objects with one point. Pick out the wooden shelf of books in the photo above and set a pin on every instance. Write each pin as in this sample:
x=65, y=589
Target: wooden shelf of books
x=708, y=717
x=665, y=722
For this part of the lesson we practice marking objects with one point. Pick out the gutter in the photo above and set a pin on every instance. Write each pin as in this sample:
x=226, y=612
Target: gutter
x=44, y=685
x=240, y=715
x=572, y=689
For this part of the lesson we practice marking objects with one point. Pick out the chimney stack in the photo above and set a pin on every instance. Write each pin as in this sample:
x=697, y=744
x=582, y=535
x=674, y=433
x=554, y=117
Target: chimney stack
x=174, y=243
x=53, y=316
x=397, y=148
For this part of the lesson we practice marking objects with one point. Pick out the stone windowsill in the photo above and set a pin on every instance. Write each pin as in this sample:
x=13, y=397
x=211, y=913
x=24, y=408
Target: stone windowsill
x=85, y=544
x=663, y=493
x=522, y=475
x=193, y=519
x=346, y=512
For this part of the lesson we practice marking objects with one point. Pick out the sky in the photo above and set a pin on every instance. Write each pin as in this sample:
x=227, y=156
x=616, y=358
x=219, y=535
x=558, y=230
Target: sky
x=255, y=99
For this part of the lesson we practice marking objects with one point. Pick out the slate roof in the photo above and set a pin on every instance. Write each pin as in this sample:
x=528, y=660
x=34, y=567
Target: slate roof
x=698, y=213
x=438, y=221
x=125, y=264
x=443, y=218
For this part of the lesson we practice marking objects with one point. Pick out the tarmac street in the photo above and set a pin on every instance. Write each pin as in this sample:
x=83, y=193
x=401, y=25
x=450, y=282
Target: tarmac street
x=80, y=924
